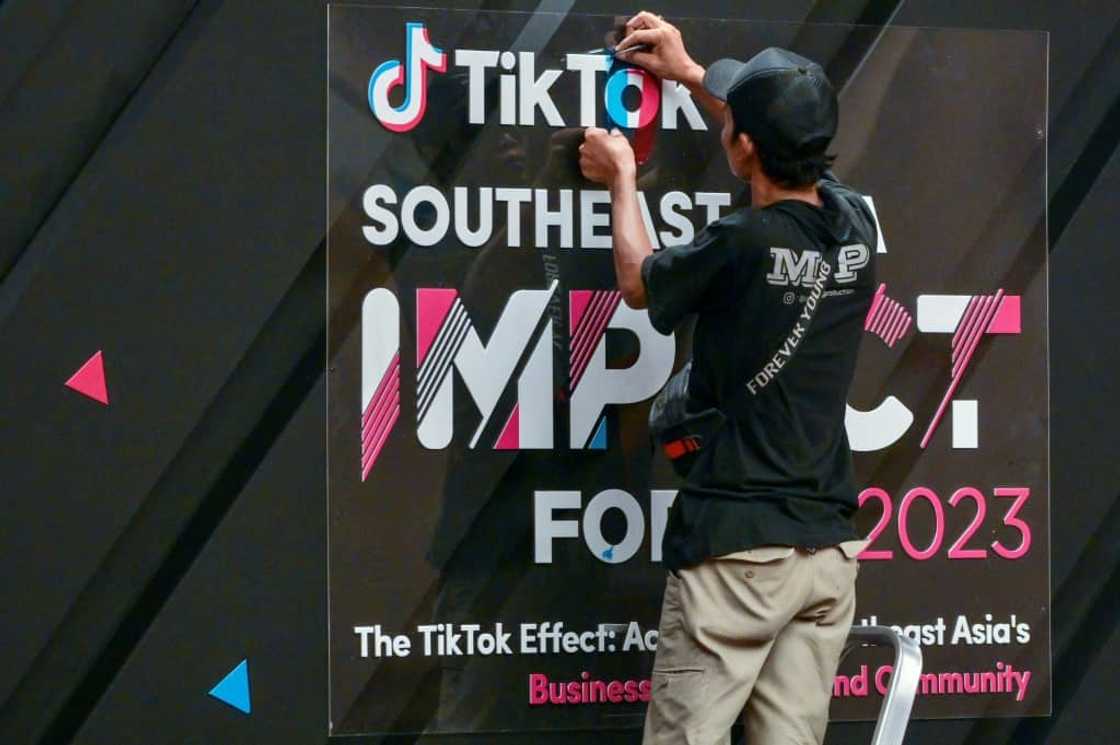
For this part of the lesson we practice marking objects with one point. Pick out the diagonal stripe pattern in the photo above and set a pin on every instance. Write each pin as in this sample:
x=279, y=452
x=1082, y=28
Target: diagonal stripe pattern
x=381, y=415
x=590, y=329
x=437, y=363
x=982, y=310
x=887, y=318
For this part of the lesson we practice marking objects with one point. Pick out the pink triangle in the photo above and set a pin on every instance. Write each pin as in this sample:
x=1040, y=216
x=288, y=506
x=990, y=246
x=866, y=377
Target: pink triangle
x=510, y=439
x=577, y=304
x=432, y=306
x=90, y=379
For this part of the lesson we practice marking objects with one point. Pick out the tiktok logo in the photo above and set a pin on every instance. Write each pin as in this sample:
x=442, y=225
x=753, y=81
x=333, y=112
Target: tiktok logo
x=420, y=55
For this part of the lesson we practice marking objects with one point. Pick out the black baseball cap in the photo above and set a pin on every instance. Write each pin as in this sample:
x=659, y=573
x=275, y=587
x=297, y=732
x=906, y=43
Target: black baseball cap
x=781, y=99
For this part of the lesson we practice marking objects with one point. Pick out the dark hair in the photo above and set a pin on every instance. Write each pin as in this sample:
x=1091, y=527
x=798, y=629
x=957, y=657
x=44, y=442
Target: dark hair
x=793, y=172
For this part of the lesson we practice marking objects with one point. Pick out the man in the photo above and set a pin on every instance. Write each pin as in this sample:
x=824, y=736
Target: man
x=762, y=551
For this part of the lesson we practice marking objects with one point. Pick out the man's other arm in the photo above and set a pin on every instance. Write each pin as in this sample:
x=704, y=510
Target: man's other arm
x=608, y=159
x=677, y=280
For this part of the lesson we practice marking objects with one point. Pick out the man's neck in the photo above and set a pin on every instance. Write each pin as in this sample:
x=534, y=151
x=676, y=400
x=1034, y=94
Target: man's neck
x=765, y=192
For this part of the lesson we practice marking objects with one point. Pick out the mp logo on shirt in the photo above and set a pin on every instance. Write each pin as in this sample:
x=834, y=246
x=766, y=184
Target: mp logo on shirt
x=801, y=268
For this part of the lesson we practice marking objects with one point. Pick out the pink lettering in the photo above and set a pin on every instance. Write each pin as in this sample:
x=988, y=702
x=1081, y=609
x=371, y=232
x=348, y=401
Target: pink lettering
x=538, y=689
x=1011, y=519
x=957, y=550
x=586, y=690
x=868, y=553
x=938, y=529
x=882, y=679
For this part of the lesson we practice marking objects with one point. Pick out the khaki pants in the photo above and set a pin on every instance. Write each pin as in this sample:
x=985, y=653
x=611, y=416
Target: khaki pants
x=757, y=632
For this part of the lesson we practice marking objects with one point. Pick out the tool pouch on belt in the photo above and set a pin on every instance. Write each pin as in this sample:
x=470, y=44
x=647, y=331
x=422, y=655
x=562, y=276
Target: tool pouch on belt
x=677, y=426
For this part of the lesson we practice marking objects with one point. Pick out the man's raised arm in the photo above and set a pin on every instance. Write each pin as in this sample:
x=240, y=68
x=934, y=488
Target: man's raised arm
x=608, y=159
x=667, y=57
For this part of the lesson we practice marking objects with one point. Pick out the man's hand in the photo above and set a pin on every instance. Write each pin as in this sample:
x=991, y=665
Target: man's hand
x=667, y=57
x=606, y=158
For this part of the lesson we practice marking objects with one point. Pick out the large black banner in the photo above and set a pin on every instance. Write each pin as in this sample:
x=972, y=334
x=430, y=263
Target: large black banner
x=495, y=507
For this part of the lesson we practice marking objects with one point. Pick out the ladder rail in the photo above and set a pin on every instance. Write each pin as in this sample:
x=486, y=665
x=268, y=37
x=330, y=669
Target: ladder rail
x=894, y=713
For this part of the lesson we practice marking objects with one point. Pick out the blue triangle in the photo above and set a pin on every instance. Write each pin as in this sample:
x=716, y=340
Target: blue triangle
x=599, y=441
x=234, y=688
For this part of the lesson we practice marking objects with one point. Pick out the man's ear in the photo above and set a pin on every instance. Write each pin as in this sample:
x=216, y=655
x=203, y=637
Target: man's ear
x=746, y=143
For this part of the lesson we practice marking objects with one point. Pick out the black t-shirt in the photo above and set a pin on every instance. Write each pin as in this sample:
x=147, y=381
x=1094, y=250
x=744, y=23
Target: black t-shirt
x=774, y=349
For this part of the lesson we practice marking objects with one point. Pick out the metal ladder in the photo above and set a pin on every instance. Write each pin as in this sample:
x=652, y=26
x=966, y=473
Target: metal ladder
x=894, y=714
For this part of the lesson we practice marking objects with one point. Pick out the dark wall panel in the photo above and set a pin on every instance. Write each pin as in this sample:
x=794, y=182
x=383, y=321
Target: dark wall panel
x=1089, y=717
x=61, y=87
x=1083, y=309
x=256, y=592
x=168, y=252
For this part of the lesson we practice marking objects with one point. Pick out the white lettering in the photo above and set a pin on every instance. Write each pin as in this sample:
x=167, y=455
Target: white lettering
x=713, y=201
x=850, y=260
x=534, y=93
x=589, y=219
x=547, y=528
x=675, y=100
x=560, y=218
x=468, y=237
x=387, y=226
x=587, y=65
x=592, y=526
x=513, y=198
x=792, y=269
x=476, y=61
x=425, y=236
x=671, y=202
